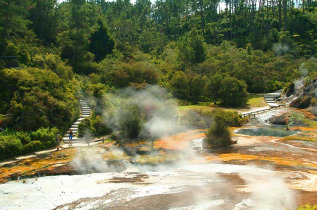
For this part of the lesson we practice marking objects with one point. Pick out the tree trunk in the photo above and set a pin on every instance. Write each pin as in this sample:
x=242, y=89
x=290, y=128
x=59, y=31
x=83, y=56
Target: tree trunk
x=280, y=13
x=285, y=14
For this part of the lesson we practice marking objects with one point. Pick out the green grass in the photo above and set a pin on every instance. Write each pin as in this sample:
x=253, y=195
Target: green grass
x=254, y=101
x=204, y=106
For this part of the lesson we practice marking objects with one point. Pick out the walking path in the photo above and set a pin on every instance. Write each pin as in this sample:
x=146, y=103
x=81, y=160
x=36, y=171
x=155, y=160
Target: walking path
x=85, y=112
x=271, y=99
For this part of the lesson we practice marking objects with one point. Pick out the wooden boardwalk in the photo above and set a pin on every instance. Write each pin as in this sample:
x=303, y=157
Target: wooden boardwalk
x=271, y=99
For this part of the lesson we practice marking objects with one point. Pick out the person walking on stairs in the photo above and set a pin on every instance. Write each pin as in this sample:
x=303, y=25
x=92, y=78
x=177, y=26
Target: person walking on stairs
x=70, y=136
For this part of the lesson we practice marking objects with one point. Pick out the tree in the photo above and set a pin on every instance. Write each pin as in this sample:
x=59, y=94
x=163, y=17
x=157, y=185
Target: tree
x=191, y=49
x=234, y=92
x=213, y=88
x=43, y=17
x=131, y=121
x=218, y=135
x=31, y=98
x=73, y=39
x=226, y=90
x=13, y=22
x=101, y=43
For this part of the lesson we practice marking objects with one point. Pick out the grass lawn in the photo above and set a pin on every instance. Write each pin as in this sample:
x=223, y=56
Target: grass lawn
x=255, y=101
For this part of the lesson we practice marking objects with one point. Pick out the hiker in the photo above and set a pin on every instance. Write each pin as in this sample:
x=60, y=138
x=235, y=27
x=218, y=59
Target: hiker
x=57, y=141
x=70, y=136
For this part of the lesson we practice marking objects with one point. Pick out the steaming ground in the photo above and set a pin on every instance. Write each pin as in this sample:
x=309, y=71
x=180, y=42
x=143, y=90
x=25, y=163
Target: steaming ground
x=285, y=171
x=198, y=186
x=182, y=185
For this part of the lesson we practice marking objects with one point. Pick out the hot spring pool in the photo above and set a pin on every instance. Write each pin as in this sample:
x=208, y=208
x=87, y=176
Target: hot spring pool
x=267, y=131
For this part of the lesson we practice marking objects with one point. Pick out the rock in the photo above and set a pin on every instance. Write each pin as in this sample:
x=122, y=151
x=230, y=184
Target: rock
x=279, y=119
x=301, y=102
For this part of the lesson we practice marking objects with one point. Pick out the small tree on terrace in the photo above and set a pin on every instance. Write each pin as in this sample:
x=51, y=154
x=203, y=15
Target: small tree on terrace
x=218, y=135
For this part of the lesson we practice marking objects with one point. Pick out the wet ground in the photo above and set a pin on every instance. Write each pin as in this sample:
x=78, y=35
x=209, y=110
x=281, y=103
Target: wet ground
x=259, y=172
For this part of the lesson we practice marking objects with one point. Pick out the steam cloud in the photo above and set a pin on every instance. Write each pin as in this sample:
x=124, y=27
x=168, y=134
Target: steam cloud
x=280, y=49
x=267, y=191
x=158, y=106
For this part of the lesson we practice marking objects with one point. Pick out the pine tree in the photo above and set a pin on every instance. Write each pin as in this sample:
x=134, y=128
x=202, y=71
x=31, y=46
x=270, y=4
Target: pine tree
x=101, y=44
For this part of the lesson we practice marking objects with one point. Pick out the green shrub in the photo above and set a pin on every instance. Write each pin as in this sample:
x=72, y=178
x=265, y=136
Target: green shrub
x=10, y=146
x=2, y=150
x=230, y=118
x=24, y=137
x=32, y=146
x=32, y=98
x=226, y=90
x=289, y=90
x=130, y=124
x=218, y=135
x=296, y=119
x=313, y=110
x=301, y=102
x=197, y=119
x=201, y=119
x=100, y=127
x=13, y=143
x=84, y=126
x=45, y=135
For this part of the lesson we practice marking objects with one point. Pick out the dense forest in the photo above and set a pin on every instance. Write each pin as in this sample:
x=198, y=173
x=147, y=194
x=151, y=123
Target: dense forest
x=199, y=50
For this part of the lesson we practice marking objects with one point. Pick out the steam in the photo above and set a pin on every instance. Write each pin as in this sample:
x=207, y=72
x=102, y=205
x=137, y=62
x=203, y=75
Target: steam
x=280, y=48
x=87, y=138
x=303, y=70
x=88, y=161
x=268, y=192
x=157, y=108
x=94, y=159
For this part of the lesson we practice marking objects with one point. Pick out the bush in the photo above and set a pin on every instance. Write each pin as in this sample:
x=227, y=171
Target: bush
x=100, y=127
x=24, y=137
x=135, y=72
x=86, y=125
x=289, y=90
x=130, y=124
x=32, y=146
x=226, y=90
x=313, y=110
x=10, y=146
x=197, y=119
x=45, y=135
x=201, y=119
x=218, y=135
x=33, y=98
x=296, y=119
x=301, y=102
x=230, y=118
x=13, y=143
